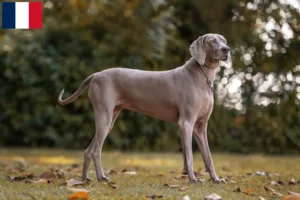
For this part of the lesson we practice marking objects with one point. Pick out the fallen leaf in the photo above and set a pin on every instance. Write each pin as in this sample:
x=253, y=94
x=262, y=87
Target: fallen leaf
x=160, y=175
x=154, y=196
x=58, y=173
x=292, y=197
x=77, y=190
x=38, y=181
x=261, y=198
x=111, y=171
x=47, y=175
x=269, y=189
x=180, y=177
x=213, y=196
x=272, y=174
x=292, y=182
x=113, y=185
x=75, y=165
x=248, y=191
x=197, y=174
x=21, y=177
x=237, y=190
x=79, y=195
x=15, y=169
x=124, y=170
x=170, y=186
x=186, y=197
x=258, y=173
x=248, y=174
x=183, y=188
x=277, y=194
x=130, y=173
x=293, y=193
x=232, y=182
x=274, y=183
x=280, y=182
x=72, y=182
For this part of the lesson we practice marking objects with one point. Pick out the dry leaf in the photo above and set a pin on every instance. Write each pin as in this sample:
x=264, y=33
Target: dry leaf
x=197, y=174
x=232, y=182
x=111, y=171
x=261, y=198
x=124, y=170
x=77, y=190
x=47, y=175
x=72, y=182
x=160, y=175
x=292, y=182
x=277, y=194
x=154, y=196
x=213, y=196
x=130, y=173
x=293, y=193
x=113, y=185
x=38, y=181
x=248, y=191
x=269, y=189
x=280, y=182
x=79, y=195
x=170, y=186
x=180, y=177
x=292, y=197
x=248, y=174
x=21, y=177
x=274, y=183
x=272, y=174
x=75, y=165
x=15, y=169
x=183, y=188
x=58, y=173
x=258, y=173
x=186, y=197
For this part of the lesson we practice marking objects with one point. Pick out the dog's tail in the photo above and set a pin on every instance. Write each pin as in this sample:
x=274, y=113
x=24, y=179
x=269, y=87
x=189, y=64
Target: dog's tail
x=76, y=94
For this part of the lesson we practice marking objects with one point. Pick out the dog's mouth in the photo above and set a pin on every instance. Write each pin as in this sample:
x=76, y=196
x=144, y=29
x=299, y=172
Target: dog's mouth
x=225, y=58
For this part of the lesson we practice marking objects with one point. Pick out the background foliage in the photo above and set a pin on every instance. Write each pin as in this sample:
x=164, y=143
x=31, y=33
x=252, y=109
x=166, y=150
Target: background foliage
x=257, y=99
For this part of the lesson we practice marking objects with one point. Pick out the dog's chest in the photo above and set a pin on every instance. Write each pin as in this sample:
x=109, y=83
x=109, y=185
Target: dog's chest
x=205, y=104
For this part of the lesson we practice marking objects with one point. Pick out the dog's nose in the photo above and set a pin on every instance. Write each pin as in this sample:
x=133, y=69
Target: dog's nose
x=225, y=49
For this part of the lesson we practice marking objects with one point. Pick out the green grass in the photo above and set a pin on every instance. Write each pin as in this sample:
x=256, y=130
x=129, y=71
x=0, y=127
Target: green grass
x=153, y=171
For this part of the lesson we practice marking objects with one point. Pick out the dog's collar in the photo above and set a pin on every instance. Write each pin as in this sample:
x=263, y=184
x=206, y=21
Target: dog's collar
x=208, y=81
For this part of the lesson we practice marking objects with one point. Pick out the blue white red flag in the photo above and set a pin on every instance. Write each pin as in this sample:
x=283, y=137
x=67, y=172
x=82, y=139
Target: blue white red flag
x=22, y=15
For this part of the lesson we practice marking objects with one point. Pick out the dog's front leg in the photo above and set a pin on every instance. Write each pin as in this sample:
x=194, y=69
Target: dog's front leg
x=200, y=132
x=186, y=131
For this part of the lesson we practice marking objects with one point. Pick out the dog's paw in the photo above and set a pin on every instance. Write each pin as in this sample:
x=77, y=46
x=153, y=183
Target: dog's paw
x=222, y=180
x=195, y=180
x=103, y=179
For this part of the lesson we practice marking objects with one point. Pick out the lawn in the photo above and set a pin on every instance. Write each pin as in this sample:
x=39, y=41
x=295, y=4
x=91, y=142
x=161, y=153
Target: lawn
x=145, y=175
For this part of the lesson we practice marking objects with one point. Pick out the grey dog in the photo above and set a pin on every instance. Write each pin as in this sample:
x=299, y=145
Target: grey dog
x=182, y=95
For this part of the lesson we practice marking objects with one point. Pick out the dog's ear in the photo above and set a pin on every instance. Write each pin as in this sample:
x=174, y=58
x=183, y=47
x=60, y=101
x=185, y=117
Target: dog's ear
x=197, y=50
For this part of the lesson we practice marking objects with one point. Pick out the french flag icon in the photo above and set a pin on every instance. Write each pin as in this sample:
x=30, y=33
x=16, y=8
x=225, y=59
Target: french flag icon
x=22, y=15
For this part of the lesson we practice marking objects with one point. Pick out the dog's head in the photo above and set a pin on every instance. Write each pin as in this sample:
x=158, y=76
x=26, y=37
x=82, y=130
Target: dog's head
x=211, y=48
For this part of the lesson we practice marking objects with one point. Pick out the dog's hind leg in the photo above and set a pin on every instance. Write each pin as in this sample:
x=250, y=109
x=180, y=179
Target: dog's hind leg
x=103, y=105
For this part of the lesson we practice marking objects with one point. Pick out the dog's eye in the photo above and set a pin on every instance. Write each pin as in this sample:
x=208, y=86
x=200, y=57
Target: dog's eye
x=213, y=41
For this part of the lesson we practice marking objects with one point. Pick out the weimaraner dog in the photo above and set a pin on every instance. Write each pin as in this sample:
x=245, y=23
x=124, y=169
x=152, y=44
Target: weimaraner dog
x=183, y=95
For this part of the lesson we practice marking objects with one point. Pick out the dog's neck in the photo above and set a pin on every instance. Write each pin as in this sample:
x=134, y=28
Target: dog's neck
x=209, y=68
